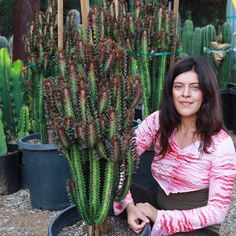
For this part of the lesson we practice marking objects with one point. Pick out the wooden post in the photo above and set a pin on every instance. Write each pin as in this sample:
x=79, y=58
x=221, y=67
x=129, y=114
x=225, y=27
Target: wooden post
x=176, y=13
x=116, y=7
x=60, y=24
x=84, y=4
x=24, y=12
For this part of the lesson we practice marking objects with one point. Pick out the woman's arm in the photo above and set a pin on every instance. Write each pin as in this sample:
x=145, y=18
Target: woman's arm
x=145, y=134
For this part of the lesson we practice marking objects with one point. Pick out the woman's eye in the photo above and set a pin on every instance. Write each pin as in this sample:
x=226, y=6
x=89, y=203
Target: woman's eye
x=195, y=87
x=178, y=87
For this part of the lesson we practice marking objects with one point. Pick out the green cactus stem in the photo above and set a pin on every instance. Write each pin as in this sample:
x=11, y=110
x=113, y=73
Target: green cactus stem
x=3, y=145
x=11, y=90
x=225, y=68
x=24, y=123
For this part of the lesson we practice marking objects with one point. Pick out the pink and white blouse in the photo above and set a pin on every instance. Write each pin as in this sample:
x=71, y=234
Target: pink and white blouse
x=185, y=170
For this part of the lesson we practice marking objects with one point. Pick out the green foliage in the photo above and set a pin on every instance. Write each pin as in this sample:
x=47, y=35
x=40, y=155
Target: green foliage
x=90, y=107
x=3, y=145
x=11, y=90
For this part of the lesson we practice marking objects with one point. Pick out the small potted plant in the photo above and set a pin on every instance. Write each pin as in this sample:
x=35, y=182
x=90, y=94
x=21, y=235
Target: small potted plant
x=45, y=168
x=9, y=164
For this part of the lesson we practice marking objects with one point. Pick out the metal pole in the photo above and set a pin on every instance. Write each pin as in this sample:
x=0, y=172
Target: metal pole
x=60, y=24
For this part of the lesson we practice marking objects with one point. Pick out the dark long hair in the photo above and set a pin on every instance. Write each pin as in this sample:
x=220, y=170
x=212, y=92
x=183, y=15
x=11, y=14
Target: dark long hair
x=209, y=117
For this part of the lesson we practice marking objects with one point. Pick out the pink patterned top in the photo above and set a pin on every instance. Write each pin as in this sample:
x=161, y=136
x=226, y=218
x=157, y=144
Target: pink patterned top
x=185, y=170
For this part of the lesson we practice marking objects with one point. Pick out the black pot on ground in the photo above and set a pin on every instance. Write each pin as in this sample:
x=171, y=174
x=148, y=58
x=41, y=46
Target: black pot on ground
x=143, y=175
x=228, y=97
x=9, y=171
x=71, y=216
x=46, y=171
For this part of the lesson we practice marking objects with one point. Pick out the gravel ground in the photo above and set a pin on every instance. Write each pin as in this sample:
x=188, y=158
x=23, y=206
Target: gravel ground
x=18, y=218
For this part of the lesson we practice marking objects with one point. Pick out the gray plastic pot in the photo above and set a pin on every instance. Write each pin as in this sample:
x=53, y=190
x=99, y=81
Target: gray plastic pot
x=46, y=171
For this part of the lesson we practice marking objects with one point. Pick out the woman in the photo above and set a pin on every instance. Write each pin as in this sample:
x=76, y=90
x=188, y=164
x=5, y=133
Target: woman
x=194, y=162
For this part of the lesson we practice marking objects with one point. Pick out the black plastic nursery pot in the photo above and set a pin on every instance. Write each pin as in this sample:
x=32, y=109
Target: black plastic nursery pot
x=229, y=106
x=71, y=216
x=143, y=175
x=46, y=171
x=9, y=171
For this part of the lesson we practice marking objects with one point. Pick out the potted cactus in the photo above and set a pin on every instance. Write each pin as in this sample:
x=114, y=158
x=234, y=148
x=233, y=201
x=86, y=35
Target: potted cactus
x=90, y=107
x=9, y=164
x=45, y=168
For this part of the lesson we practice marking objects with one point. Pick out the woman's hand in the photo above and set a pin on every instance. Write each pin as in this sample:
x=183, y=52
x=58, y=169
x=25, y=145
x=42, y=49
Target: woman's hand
x=136, y=219
x=148, y=210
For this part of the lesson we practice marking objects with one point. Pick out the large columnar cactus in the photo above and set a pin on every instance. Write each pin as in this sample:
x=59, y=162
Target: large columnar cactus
x=147, y=33
x=186, y=37
x=3, y=145
x=11, y=90
x=90, y=108
x=41, y=49
x=225, y=68
x=209, y=35
x=197, y=42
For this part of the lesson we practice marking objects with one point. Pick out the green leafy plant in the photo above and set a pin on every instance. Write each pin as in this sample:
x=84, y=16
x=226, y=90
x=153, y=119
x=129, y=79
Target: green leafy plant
x=90, y=107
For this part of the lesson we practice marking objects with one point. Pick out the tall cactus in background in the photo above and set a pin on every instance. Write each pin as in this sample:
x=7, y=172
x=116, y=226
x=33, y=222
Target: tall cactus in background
x=11, y=90
x=3, y=145
x=41, y=49
x=197, y=42
x=225, y=68
x=186, y=37
x=147, y=32
x=209, y=35
x=90, y=108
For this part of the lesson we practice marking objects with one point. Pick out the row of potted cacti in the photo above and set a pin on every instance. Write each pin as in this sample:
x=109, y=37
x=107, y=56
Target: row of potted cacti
x=204, y=41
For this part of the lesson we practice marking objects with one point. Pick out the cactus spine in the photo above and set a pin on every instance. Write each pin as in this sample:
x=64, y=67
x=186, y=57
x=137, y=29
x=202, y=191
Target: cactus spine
x=11, y=90
x=3, y=145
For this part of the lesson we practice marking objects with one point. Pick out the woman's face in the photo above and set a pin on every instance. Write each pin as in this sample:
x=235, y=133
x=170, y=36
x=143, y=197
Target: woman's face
x=187, y=96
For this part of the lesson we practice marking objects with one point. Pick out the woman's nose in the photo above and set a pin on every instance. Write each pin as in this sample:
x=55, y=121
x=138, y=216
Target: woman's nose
x=186, y=91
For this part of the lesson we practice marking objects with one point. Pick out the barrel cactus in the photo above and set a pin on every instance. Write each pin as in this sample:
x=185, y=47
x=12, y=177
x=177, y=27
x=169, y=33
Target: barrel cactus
x=90, y=107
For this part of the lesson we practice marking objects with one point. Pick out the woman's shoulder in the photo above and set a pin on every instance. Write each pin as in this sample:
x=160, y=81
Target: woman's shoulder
x=222, y=141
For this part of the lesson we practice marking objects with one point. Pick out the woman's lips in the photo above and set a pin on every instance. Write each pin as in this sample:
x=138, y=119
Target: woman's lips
x=185, y=103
